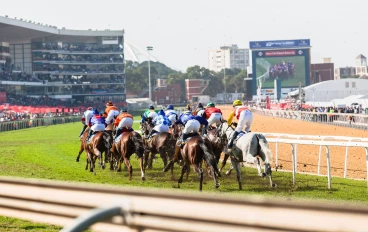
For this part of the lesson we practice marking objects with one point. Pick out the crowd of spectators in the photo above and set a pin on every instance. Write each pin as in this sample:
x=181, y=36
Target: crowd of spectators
x=77, y=47
x=79, y=68
x=79, y=58
x=17, y=76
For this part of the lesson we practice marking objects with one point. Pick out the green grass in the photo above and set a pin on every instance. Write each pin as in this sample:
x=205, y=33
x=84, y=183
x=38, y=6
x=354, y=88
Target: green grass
x=16, y=225
x=299, y=62
x=50, y=152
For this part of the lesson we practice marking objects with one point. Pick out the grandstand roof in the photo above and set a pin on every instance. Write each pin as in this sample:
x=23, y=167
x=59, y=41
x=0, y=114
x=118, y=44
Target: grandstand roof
x=14, y=30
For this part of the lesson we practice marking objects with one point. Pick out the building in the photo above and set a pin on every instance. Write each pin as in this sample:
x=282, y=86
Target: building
x=322, y=72
x=74, y=66
x=166, y=93
x=228, y=57
x=195, y=87
x=360, y=69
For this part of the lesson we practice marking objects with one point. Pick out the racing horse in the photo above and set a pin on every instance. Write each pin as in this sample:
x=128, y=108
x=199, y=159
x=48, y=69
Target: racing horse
x=128, y=144
x=162, y=143
x=253, y=144
x=99, y=143
x=217, y=144
x=193, y=153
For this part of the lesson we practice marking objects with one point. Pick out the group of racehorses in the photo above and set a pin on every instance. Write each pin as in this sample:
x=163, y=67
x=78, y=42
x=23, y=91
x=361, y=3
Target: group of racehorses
x=198, y=150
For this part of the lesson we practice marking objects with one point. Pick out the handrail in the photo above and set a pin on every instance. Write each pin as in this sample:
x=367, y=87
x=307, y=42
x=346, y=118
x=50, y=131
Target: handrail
x=59, y=203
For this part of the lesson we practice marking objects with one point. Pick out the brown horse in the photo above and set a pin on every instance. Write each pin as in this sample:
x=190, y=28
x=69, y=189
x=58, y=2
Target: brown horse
x=99, y=143
x=162, y=143
x=129, y=143
x=193, y=153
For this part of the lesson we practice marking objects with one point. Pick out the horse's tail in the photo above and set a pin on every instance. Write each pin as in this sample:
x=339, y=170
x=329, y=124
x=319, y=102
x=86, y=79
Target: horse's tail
x=138, y=145
x=107, y=140
x=209, y=157
x=265, y=148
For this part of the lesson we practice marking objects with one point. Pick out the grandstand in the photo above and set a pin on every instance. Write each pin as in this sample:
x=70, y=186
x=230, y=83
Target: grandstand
x=75, y=67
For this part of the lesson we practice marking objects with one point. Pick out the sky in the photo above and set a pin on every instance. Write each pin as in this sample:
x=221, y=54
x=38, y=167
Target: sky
x=182, y=32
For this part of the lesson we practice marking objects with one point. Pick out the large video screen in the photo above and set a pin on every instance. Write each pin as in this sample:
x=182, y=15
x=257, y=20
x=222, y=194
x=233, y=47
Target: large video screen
x=289, y=66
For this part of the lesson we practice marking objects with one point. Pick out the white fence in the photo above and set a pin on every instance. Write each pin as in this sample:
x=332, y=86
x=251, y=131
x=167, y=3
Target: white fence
x=138, y=209
x=358, y=121
x=321, y=141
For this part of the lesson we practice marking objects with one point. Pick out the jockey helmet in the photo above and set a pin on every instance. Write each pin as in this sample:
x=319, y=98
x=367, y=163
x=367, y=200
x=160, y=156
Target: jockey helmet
x=170, y=107
x=210, y=104
x=109, y=103
x=188, y=108
x=200, y=106
x=124, y=110
x=89, y=108
x=237, y=103
x=161, y=112
x=95, y=112
x=151, y=107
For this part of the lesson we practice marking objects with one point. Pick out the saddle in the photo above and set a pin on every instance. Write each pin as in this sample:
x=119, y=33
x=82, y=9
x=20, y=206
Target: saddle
x=90, y=138
x=189, y=136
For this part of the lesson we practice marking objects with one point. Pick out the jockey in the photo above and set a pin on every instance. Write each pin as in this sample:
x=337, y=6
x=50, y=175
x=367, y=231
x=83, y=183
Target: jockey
x=111, y=111
x=191, y=123
x=87, y=115
x=200, y=109
x=213, y=114
x=150, y=113
x=96, y=123
x=245, y=117
x=161, y=123
x=123, y=122
x=171, y=114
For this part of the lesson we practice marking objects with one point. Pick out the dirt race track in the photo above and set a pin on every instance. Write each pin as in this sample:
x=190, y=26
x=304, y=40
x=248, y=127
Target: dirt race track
x=308, y=155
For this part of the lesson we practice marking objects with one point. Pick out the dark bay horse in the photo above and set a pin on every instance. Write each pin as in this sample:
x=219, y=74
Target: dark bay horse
x=162, y=143
x=193, y=153
x=129, y=143
x=99, y=143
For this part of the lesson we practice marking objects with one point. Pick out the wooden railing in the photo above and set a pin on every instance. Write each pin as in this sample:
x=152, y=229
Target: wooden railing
x=144, y=209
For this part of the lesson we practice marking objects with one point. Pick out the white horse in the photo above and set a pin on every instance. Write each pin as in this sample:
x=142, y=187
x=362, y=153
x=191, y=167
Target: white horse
x=250, y=144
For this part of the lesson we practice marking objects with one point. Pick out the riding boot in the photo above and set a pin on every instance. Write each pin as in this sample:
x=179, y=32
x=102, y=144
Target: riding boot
x=150, y=134
x=84, y=128
x=204, y=130
x=89, y=134
x=231, y=144
x=118, y=132
x=182, y=140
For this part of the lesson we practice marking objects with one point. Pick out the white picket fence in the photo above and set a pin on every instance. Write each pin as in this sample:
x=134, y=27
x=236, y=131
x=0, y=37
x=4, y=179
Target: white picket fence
x=358, y=121
x=314, y=140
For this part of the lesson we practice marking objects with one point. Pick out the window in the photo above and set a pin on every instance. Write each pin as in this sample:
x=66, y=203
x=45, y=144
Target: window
x=346, y=84
x=352, y=84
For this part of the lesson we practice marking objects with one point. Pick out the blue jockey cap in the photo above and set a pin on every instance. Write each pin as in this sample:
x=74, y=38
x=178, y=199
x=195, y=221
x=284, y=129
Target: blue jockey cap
x=96, y=112
x=161, y=112
x=170, y=107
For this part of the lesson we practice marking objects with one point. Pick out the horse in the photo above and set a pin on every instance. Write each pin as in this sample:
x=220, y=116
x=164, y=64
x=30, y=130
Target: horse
x=162, y=143
x=128, y=144
x=217, y=144
x=253, y=144
x=99, y=143
x=193, y=153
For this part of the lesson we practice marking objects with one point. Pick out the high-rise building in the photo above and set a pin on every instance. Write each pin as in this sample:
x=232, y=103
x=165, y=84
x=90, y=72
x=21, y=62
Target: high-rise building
x=228, y=57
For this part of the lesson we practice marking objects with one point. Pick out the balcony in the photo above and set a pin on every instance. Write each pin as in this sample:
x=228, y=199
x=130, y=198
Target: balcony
x=65, y=62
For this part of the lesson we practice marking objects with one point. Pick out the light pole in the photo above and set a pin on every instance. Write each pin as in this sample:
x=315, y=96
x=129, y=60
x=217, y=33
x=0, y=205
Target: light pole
x=149, y=48
x=224, y=78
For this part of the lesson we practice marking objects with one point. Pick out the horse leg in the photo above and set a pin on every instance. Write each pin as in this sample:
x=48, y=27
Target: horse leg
x=260, y=173
x=214, y=177
x=142, y=169
x=145, y=156
x=149, y=163
x=183, y=170
x=226, y=156
x=238, y=172
x=230, y=169
x=130, y=168
x=163, y=156
x=80, y=152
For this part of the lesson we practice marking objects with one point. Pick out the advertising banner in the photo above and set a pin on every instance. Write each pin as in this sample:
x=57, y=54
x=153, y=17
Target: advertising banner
x=279, y=44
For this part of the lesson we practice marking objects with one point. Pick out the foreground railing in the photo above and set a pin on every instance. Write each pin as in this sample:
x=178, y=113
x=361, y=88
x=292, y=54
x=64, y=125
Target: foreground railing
x=143, y=209
x=358, y=121
x=24, y=124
